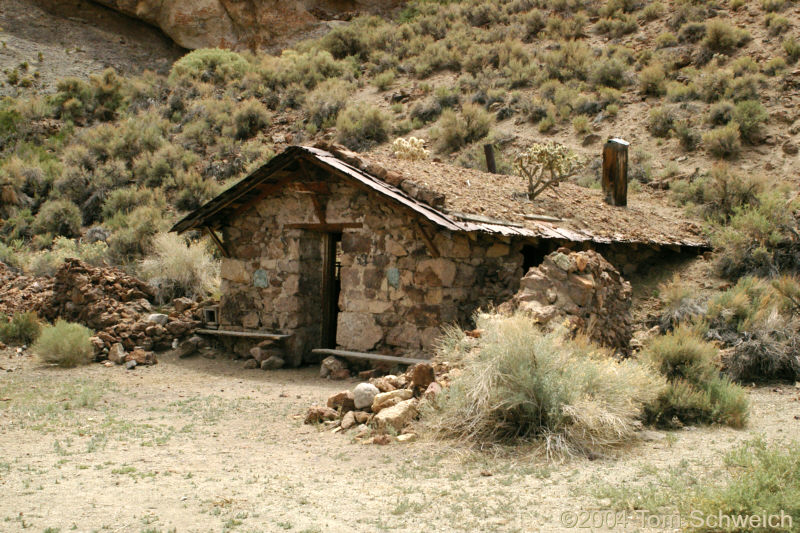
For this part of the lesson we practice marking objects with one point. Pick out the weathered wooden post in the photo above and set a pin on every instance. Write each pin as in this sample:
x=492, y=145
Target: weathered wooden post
x=615, y=172
x=491, y=165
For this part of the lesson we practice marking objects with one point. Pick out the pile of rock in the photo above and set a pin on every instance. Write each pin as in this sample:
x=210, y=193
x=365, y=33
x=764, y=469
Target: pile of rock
x=20, y=293
x=581, y=288
x=117, y=306
x=383, y=406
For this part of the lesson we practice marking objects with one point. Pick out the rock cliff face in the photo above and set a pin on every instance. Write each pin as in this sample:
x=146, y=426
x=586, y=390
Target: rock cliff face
x=242, y=24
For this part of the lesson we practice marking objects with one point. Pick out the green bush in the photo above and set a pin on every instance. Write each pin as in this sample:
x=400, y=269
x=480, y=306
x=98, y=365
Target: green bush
x=697, y=393
x=687, y=136
x=777, y=24
x=518, y=383
x=652, y=80
x=21, y=328
x=759, y=239
x=46, y=262
x=660, y=121
x=749, y=115
x=361, y=126
x=609, y=73
x=58, y=217
x=384, y=80
x=455, y=130
x=64, y=344
x=775, y=66
x=720, y=114
x=791, y=48
x=208, y=65
x=324, y=103
x=723, y=142
x=723, y=38
x=249, y=118
x=666, y=40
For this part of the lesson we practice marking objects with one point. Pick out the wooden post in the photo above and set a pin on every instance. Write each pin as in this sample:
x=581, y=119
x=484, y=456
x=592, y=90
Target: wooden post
x=615, y=172
x=491, y=165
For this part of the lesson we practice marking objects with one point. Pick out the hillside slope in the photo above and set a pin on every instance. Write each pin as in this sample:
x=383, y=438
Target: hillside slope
x=706, y=92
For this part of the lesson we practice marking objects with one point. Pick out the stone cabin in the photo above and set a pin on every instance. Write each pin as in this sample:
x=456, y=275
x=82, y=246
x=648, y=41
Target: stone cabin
x=375, y=254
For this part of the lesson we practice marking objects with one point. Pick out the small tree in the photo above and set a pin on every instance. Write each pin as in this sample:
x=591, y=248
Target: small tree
x=545, y=165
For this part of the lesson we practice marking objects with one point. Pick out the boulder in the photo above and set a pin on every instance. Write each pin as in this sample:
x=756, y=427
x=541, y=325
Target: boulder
x=422, y=375
x=385, y=400
x=182, y=304
x=433, y=390
x=383, y=384
x=158, y=318
x=117, y=353
x=362, y=417
x=343, y=401
x=396, y=416
x=250, y=364
x=348, y=420
x=317, y=414
x=273, y=362
x=141, y=357
x=331, y=365
x=364, y=394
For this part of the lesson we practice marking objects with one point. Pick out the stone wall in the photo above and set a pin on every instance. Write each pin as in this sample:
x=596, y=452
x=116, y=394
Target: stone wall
x=394, y=294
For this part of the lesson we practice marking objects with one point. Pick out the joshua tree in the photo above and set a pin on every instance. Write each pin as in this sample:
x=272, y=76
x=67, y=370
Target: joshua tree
x=545, y=165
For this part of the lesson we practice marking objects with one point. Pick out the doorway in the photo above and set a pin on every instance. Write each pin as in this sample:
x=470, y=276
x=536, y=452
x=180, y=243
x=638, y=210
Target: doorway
x=331, y=286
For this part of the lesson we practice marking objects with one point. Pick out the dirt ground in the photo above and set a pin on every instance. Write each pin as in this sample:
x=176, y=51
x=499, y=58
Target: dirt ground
x=204, y=445
x=76, y=38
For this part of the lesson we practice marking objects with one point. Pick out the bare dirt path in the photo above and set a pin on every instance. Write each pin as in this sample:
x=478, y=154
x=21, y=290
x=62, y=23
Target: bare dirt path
x=204, y=445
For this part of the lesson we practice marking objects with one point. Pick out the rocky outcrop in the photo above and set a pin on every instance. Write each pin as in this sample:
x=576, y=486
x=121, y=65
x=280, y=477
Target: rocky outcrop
x=582, y=289
x=241, y=24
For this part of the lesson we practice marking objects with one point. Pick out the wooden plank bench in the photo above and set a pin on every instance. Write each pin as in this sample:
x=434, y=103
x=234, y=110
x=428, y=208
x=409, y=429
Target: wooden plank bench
x=244, y=334
x=369, y=356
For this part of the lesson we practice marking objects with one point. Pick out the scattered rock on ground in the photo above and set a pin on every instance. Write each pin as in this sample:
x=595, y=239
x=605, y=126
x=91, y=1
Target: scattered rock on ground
x=396, y=416
x=364, y=394
x=318, y=414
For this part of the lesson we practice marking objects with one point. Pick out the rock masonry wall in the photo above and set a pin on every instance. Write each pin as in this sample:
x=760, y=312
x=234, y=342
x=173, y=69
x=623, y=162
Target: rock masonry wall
x=394, y=294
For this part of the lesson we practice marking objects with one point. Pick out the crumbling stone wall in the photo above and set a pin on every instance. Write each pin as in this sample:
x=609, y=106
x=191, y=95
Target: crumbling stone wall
x=583, y=290
x=394, y=294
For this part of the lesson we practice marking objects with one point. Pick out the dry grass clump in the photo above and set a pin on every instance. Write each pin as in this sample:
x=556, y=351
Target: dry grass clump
x=697, y=392
x=64, y=344
x=681, y=305
x=177, y=269
x=759, y=322
x=723, y=142
x=518, y=383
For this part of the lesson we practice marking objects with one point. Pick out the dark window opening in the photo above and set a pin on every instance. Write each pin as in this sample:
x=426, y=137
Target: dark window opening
x=532, y=256
x=331, y=287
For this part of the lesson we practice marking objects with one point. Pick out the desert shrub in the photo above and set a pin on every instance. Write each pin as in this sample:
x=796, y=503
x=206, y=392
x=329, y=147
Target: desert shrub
x=660, y=121
x=720, y=113
x=249, y=118
x=759, y=239
x=777, y=24
x=64, y=344
x=176, y=268
x=518, y=383
x=455, y=130
x=361, y=126
x=609, y=73
x=723, y=38
x=666, y=39
x=46, y=262
x=691, y=32
x=73, y=99
x=653, y=11
x=758, y=324
x=749, y=115
x=127, y=199
x=713, y=84
x=687, y=136
x=775, y=66
x=745, y=88
x=723, y=142
x=132, y=233
x=324, y=103
x=21, y=328
x=343, y=41
x=209, y=65
x=384, y=80
x=58, y=217
x=193, y=190
x=581, y=124
x=617, y=26
x=791, y=48
x=680, y=304
x=652, y=80
x=772, y=6
x=412, y=149
x=725, y=191
x=697, y=392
